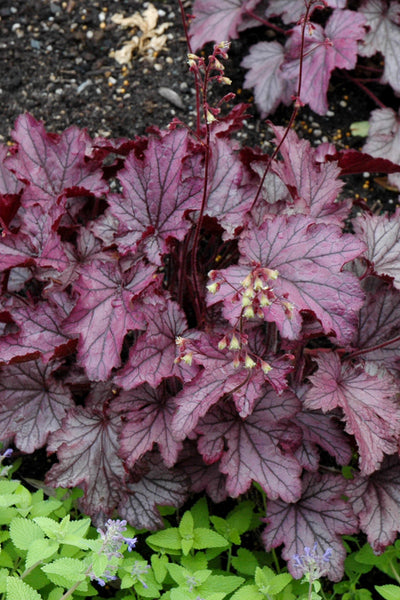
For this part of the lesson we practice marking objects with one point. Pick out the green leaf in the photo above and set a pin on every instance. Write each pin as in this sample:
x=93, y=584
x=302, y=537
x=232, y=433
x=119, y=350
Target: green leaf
x=264, y=576
x=159, y=566
x=220, y=583
x=197, y=562
x=23, y=532
x=224, y=528
x=245, y=562
x=241, y=516
x=19, y=590
x=179, y=574
x=389, y=592
x=279, y=582
x=39, y=550
x=186, y=526
x=205, y=538
x=49, y=526
x=200, y=514
x=166, y=539
x=99, y=564
x=248, y=592
x=66, y=572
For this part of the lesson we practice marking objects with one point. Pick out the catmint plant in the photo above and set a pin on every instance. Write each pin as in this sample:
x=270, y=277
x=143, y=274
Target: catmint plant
x=180, y=315
x=313, y=565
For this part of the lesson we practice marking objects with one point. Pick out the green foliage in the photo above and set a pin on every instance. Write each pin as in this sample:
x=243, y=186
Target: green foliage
x=49, y=551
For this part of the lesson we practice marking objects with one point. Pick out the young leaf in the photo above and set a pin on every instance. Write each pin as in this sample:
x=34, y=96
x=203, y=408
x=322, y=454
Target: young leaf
x=24, y=532
x=388, y=591
x=32, y=403
x=320, y=515
x=368, y=402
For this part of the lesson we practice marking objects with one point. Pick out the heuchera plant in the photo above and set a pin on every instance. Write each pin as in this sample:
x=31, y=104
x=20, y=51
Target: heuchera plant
x=179, y=315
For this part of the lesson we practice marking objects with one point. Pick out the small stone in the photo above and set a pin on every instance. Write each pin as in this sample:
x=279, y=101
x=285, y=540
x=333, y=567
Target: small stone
x=157, y=67
x=172, y=96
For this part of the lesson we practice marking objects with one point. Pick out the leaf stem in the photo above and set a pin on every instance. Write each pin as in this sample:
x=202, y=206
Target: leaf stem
x=372, y=348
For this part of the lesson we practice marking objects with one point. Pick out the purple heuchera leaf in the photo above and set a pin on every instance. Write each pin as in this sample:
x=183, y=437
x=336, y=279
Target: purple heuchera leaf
x=383, y=35
x=217, y=20
x=39, y=332
x=87, y=449
x=32, y=403
x=292, y=10
x=382, y=237
x=376, y=501
x=324, y=50
x=152, y=357
x=52, y=164
x=157, y=192
x=158, y=486
x=147, y=420
x=314, y=186
x=264, y=63
x=9, y=184
x=36, y=241
x=320, y=515
x=229, y=196
x=105, y=312
x=379, y=322
x=252, y=451
x=384, y=137
x=284, y=274
x=369, y=404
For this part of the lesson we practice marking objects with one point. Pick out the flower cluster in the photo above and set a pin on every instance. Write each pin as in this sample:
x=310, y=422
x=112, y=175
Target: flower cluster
x=4, y=470
x=113, y=539
x=313, y=564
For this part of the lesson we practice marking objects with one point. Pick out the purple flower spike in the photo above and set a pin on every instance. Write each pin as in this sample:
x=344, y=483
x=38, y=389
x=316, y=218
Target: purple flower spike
x=311, y=563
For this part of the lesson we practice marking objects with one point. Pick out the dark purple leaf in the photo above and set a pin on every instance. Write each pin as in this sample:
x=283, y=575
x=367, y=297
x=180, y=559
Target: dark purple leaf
x=204, y=478
x=152, y=357
x=105, y=312
x=217, y=20
x=157, y=193
x=39, y=332
x=157, y=487
x=252, y=451
x=322, y=431
x=87, y=449
x=51, y=164
x=36, y=242
x=308, y=259
x=376, y=501
x=32, y=403
x=369, y=404
x=353, y=161
x=320, y=515
x=147, y=420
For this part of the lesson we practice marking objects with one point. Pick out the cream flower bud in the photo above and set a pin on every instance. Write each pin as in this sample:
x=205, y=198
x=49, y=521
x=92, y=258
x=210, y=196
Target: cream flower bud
x=249, y=362
x=249, y=313
x=235, y=344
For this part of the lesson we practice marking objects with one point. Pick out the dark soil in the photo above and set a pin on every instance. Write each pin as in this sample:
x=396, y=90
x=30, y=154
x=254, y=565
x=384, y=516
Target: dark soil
x=55, y=63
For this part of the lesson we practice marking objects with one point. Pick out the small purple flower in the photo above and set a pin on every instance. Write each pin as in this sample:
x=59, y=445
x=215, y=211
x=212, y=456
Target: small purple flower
x=311, y=563
x=113, y=538
x=6, y=454
x=139, y=569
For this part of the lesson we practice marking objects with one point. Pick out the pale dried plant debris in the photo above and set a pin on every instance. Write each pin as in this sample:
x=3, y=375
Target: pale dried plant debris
x=147, y=39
